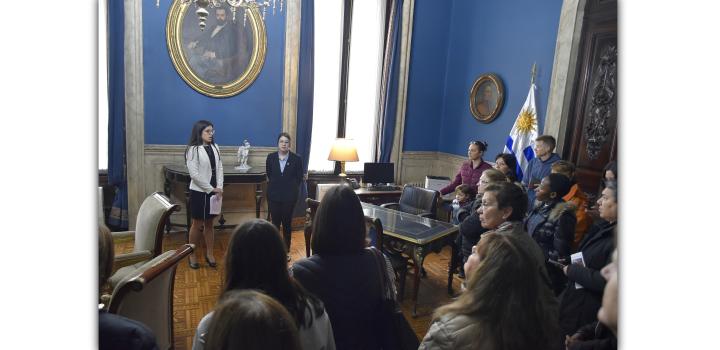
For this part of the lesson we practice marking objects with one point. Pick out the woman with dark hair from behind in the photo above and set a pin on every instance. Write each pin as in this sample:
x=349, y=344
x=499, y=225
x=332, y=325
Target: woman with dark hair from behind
x=342, y=273
x=503, y=306
x=250, y=320
x=507, y=164
x=117, y=332
x=256, y=259
x=579, y=305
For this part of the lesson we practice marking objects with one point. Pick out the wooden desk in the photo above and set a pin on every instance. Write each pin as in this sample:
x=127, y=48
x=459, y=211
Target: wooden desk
x=179, y=173
x=378, y=197
x=415, y=236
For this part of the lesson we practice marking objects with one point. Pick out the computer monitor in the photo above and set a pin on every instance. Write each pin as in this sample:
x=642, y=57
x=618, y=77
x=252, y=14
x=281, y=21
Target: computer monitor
x=376, y=173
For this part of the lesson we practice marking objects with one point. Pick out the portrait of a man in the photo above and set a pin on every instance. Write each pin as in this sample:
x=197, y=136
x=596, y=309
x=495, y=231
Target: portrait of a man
x=486, y=97
x=220, y=53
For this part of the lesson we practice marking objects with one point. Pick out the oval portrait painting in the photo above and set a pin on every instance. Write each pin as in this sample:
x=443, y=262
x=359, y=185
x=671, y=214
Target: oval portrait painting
x=222, y=59
x=486, y=97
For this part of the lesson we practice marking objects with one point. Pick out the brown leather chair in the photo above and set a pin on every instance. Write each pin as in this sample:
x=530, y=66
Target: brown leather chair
x=417, y=201
x=146, y=295
x=147, y=237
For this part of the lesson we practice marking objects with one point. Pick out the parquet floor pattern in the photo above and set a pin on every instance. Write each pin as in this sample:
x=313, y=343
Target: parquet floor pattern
x=196, y=291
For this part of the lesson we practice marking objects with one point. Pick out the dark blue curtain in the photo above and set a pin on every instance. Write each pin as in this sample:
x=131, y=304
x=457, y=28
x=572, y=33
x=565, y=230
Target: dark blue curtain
x=389, y=87
x=116, y=109
x=306, y=84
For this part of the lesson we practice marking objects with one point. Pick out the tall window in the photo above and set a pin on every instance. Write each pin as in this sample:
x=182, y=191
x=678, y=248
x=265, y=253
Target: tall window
x=363, y=78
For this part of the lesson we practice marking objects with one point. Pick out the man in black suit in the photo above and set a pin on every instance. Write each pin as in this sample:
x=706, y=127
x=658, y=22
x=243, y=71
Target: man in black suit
x=285, y=174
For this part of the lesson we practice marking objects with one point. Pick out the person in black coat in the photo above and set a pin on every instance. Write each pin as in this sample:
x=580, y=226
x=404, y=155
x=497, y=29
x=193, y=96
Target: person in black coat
x=285, y=174
x=579, y=306
x=342, y=273
x=552, y=225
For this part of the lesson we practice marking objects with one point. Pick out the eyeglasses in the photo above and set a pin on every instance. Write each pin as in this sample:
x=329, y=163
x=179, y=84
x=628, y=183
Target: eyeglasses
x=211, y=131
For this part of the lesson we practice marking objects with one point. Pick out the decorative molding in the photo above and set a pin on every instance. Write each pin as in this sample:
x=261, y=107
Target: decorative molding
x=567, y=46
x=602, y=104
x=134, y=108
x=404, y=73
x=292, y=61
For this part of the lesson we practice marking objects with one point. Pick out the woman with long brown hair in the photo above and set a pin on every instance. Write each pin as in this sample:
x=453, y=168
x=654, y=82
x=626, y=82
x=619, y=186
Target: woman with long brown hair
x=505, y=306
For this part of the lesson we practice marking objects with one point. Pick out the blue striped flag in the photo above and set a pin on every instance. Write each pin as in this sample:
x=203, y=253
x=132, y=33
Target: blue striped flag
x=522, y=137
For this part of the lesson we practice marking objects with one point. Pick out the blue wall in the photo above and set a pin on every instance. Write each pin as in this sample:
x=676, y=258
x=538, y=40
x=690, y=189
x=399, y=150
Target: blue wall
x=426, y=80
x=172, y=106
x=495, y=36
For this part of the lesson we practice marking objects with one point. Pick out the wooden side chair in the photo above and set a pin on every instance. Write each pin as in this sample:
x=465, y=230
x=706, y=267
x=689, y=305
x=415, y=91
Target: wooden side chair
x=146, y=295
x=399, y=263
x=312, y=206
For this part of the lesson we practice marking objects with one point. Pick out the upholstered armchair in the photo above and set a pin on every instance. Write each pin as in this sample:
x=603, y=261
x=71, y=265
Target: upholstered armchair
x=146, y=294
x=417, y=201
x=147, y=237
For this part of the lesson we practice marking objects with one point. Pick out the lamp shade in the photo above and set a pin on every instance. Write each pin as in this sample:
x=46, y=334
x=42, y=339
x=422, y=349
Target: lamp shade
x=344, y=150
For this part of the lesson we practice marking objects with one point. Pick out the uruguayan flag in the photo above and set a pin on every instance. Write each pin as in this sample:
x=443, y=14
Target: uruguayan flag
x=522, y=137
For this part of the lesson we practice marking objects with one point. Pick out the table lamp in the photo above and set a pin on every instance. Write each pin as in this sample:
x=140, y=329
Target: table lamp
x=343, y=150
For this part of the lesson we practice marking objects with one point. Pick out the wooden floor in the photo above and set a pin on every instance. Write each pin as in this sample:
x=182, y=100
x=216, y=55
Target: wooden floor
x=196, y=291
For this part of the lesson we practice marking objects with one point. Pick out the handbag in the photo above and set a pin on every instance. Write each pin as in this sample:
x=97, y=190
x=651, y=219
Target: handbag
x=394, y=330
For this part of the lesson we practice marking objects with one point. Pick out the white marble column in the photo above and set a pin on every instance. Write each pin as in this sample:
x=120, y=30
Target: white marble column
x=567, y=48
x=134, y=108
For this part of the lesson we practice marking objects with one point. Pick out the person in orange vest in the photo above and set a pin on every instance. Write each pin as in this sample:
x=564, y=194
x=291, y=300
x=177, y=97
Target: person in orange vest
x=577, y=197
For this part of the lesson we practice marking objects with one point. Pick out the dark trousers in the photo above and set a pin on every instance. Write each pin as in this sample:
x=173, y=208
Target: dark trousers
x=281, y=213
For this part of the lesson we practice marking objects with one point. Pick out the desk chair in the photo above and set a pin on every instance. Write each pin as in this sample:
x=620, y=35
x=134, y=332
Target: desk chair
x=417, y=201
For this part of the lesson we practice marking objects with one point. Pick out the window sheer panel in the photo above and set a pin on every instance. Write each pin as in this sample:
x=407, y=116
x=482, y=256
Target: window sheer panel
x=363, y=80
x=102, y=87
x=328, y=55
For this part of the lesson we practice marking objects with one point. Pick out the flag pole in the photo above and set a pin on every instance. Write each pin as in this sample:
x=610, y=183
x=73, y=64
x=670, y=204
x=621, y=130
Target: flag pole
x=533, y=72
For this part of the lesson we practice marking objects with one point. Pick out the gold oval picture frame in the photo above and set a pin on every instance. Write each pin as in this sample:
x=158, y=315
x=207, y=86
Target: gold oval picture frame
x=486, y=97
x=223, y=59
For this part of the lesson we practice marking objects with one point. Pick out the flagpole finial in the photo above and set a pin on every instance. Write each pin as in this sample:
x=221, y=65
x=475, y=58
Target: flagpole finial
x=533, y=72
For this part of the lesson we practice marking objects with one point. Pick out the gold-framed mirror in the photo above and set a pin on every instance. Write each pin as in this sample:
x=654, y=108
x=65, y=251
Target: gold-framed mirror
x=223, y=59
x=486, y=97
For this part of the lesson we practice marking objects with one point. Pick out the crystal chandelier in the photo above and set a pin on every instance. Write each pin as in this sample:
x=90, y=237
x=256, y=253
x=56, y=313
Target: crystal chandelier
x=247, y=5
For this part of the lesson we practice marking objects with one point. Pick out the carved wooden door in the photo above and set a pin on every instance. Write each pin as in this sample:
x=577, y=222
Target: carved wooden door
x=591, y=136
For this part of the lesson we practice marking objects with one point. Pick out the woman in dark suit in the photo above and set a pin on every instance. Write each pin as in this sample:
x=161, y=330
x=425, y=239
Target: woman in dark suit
x=285, y=173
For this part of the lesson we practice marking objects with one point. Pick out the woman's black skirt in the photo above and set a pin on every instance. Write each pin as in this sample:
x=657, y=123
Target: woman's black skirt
x=200, y=205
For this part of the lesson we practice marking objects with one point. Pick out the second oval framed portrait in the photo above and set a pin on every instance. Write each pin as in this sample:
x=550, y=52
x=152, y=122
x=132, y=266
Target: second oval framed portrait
x=223, y=59
x=486, y=97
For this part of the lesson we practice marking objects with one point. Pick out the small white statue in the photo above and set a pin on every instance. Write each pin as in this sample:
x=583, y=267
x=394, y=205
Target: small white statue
x=243, y=152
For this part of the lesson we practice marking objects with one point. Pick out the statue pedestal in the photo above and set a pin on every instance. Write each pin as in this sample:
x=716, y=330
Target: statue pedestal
x=243, y=168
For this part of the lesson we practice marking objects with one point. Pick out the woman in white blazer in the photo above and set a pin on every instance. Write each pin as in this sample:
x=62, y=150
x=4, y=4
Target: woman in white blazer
x=206, y=179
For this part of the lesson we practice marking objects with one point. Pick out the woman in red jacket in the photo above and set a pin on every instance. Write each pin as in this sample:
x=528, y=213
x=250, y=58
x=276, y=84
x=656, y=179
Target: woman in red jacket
x=470, y=170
